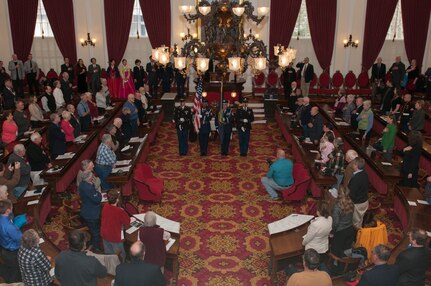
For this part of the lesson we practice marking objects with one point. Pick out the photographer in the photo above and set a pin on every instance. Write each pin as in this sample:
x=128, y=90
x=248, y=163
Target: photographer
x=279, y=176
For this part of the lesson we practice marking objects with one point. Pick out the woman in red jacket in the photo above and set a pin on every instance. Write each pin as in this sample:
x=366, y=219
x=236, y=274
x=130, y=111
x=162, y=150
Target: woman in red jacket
x=113, y=221
x=67, y=127
x=10, y=129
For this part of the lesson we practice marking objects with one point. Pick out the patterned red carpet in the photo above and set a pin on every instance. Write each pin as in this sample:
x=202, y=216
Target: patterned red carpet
x=222, y=207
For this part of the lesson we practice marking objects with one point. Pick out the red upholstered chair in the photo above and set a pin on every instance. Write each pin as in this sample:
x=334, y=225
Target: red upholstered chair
x=350, y=80
x=324, y=80
x=387, y=76
x=52, y=74
x=259, y=83
x=130, y=208
x=313, y=81
x=363, y=80
x=272, y=79
x=148, y=187
x=297, y=191
x=337, y=80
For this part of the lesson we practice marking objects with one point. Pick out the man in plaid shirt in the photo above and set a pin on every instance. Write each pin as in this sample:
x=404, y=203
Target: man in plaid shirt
x=33, y=264
x=105, y=160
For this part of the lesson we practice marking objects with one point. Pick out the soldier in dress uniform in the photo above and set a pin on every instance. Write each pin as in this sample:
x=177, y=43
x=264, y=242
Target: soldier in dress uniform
x=183, y=121
x=244, y=118
x=224, y=122
x=204, y=131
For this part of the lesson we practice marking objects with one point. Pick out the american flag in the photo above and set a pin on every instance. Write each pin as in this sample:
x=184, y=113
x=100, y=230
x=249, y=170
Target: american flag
x=197, y=106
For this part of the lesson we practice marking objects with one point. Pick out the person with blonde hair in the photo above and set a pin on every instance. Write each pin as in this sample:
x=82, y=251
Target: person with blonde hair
x=67, y=127
x=342, y=223
x=365, y=122
x=36, y=113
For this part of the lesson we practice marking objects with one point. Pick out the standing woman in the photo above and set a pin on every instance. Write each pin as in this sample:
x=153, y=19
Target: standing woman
x=36, y=113
x=113, y=78
x=10, y=129
x=126, y=87
x=412, y=73
x=81, y=70
x=365, y=122
x=67, y=127
x=410, y=166
x=342, y=223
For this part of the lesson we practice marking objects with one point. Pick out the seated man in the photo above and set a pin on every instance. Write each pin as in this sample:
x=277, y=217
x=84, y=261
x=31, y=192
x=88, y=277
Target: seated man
x=149, y=274
x=37, y=158
x=74, y=267
x=105, y=160
x=21, y=119
x=18, y=155
x=381, y=274
x=279, y=176
x=311, y=276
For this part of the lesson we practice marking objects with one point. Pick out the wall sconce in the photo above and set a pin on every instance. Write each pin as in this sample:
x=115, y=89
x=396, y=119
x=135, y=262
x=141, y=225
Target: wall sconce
x=88, y=41
x=350, y=42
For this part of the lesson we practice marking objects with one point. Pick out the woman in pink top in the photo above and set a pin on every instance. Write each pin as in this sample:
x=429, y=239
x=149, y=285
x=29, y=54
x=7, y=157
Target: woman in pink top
x=10, y=129
x=67, y=127
x=326, y=146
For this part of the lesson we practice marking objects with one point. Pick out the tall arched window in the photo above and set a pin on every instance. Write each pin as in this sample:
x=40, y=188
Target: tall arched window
x=138, y=25
x=396, y=31
x=43, y=28
x=302, y=30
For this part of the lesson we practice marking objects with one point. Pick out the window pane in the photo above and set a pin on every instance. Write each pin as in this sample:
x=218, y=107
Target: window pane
x=137, y=21
x=42, y=23
x=302, y=29
x=396, y=30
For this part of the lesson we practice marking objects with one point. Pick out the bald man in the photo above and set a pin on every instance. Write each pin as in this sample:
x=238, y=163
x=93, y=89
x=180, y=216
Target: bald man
x=17, y=74
x=279, y=176
x=138, y=272
x=397, y=71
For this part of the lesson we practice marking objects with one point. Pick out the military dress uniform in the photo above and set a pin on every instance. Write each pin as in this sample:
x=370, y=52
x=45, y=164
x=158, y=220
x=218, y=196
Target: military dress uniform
x=183, y=120
x=204, y=131
x=244, y=118
x=224, y=122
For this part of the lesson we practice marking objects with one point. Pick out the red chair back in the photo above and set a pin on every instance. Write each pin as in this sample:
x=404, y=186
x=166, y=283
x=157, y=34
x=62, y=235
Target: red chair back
x=302, y=179
x=148, y=187
x=104, y=74
x=350, y=80
x=52, y=74
x=324, y=80
x=363, y=80
x=130, y=208
x=337, y=79
x=272, y=79
x=313, y=81
x=387, y=76
x=259, y=79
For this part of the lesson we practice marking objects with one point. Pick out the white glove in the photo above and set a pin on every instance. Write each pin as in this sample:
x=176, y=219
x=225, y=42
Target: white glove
x=200, y=116
x=245, y=120
x=182, y=119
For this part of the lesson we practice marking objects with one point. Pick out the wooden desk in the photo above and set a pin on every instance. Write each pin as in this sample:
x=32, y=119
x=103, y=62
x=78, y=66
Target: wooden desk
x=285, y=245
x=382, y=178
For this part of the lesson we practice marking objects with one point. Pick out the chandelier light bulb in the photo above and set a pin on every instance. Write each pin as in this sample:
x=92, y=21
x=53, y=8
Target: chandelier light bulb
x=262, y=11
x=238, y=11
x=204, y=10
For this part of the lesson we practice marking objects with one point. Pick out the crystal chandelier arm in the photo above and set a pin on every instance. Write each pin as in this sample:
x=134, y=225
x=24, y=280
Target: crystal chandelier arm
x=249, y=9
x=193, y=17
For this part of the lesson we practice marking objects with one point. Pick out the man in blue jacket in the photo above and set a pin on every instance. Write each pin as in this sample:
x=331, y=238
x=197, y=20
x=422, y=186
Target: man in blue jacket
x=279, y=176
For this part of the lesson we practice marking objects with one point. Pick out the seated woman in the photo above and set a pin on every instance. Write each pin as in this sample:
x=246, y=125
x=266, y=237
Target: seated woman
x=9, y=129
x=387, y=142
x=153, y=237
x=410, y=165
x=317, y=236
x=67, y=127
x=342, y=223
x=36, y=113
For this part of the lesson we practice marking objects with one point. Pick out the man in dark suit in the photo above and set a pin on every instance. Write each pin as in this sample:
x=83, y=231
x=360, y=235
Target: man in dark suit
x=66, y=88
x=414, y=261
x=388, y=94
x=358, y=191
x=17, y=74
x=95, y=72
x=138, y=74
x=31, y=69
x=378, y=73
x=67, y=67
x=306, y=73
x=244, y=118
x=381, y=274
x=289, y=76
x=153, y=77
x=56, y=137
x=397, y=70
x=138, y=272
x=8, y=95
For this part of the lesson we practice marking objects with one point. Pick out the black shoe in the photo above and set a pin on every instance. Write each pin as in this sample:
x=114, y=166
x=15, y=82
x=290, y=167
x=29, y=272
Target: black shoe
x=203, y=154
x=224, y=154
x=243, y=154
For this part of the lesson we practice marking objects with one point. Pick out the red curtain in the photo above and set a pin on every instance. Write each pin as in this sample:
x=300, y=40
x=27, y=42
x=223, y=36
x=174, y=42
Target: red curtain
x=118, y=18
x=157, y=17
x=22, y=18
x=61, y=19
x=416, y=16
x=378, y=18
x=322, y=16
x=282, y=22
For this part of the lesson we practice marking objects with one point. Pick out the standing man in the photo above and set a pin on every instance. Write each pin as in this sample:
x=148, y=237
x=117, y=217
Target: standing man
x=134, y=114
x=9, y=95
x=414, y=261
x=305, y=117
x=84, y=113
x=397, y=70
x=66, y=87
x=67, y=67
x=10, y=241
x=204, y=131
x=183, y=121
x=32, y=71
x=224, y=122
x=358, y=187
x=21, y=119
x=306, y=73
x=378, y=73
x=95, y=73
x=181, y=81
x=16, y=68
x=138, y=74
x=289, y=76
x=244, y=118
x=406, y=111
x=153, y=77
